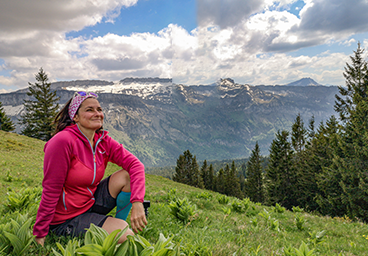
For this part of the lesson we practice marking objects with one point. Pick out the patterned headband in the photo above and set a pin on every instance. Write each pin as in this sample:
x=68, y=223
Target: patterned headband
x=77, y=100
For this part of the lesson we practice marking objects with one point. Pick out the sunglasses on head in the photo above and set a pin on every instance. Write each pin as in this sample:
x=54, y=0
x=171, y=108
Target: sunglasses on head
x=85, y=94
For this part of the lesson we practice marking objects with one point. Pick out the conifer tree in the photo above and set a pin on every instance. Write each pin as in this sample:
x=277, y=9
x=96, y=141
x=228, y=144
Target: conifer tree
x=322, y=153
x=254, y=183
x=5, y=122
x=298, y=135
x=356, y=85
x=187, y=170
x=220, y=184
x=40, y=110
x=280, y=174
x=211, y=178
x=205, y=174
x=350, y=161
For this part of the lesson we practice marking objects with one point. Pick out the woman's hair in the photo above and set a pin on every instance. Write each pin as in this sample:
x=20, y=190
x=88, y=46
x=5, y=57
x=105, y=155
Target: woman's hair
x=62, y=119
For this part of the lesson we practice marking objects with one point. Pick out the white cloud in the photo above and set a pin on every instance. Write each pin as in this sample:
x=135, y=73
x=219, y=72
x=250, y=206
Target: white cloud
x=249, y=41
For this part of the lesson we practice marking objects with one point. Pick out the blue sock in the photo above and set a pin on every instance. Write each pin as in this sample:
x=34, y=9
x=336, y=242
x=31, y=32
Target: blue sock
x=123, y=205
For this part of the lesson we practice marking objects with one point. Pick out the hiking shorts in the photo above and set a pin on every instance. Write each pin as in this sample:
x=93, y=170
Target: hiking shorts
x=97, y=214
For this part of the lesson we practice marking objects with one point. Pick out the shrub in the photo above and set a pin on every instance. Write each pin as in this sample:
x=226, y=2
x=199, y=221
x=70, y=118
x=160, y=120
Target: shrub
x=183, y=210
x=222, y=199
x=16, y=236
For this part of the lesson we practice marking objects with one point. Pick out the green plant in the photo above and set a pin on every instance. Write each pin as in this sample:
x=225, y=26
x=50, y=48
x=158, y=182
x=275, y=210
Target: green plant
x=275, y=225
x=183, y=210
x=97, y=241
x=226, y=210
x=204, y=195
x=299, y=221
x=69, y=250
x=278, y=208
x=24, y=198
x=240, y=206
x=304, y=250
x=265, y=215
x=297, y=209
x=223, y=199
x=317, y=237
x=171, y=195
x=16, y=235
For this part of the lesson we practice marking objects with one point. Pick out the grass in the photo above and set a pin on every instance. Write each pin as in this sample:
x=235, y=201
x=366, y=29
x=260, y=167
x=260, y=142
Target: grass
x=214, y=229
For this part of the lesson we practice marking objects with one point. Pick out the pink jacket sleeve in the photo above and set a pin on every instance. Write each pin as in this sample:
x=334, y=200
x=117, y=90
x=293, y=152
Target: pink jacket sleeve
x=55, y=167
x=122, y=157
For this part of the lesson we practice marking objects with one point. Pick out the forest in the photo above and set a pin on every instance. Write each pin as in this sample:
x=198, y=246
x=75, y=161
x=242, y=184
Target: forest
x=319, y=167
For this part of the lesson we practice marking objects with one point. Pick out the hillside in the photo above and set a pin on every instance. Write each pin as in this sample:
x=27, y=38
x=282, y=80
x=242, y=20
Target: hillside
x=158, y=120
x=217, y=227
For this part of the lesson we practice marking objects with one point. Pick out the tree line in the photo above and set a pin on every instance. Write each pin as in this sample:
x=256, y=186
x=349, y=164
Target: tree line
x=321, y=168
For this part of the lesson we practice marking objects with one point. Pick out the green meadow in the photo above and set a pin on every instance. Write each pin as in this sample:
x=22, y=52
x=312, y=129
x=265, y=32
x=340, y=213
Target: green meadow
x=189, y=220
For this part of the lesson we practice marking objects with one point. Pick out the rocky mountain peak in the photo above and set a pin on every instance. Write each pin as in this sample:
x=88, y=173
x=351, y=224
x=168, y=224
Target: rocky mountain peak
x=307, y=81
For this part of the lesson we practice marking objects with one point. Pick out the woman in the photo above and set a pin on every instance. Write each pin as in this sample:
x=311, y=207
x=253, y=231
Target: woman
x=75, y=160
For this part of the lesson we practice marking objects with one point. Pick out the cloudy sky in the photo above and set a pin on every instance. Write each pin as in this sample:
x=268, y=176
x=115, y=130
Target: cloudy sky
x=191, y=41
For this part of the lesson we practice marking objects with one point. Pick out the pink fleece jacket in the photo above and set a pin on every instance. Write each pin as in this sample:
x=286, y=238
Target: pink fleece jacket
x=73, y=169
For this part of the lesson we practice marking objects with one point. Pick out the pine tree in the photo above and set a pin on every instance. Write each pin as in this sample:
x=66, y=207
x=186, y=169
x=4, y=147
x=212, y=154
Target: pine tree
x=298, y=135
x=254, y=172
x=356, y=85
x=205, y=175
x=220, y=184
x=187, y=170
x=211, y=178
x=40, y=111
x=280, y=174
x=350, y=161
x=5, y=122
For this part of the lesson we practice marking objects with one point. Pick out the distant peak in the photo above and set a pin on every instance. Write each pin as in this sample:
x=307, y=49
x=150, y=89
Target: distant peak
x=147, y=80
x=226, y=82
x=306, y=81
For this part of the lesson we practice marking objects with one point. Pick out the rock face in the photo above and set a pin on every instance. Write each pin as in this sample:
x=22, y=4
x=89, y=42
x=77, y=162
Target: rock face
x=158, y=120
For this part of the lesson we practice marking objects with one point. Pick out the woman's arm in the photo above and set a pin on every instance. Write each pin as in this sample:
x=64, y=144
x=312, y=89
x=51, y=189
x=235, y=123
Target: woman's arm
x=55, y=167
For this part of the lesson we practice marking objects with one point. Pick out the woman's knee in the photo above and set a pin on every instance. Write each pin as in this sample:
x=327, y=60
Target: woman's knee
x=119, y=181
x=111, y=224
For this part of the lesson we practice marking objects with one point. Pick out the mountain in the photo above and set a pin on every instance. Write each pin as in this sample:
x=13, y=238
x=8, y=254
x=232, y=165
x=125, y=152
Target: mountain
x=158, y=120
x=304, y=82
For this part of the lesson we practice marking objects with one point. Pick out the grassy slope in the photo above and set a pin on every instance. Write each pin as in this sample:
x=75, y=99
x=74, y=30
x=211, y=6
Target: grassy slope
x=212, y=230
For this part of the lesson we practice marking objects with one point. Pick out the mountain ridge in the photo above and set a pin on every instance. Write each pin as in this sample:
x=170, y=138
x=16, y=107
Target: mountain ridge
x=158, y=121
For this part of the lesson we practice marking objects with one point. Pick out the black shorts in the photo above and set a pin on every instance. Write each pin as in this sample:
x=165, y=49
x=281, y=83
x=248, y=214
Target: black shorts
x=104, y=203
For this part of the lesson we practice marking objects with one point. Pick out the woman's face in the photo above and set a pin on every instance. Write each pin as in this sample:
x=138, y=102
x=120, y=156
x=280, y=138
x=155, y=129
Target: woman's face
x=89, y=115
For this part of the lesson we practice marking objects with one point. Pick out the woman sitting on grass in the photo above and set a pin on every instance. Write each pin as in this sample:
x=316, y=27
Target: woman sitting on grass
x=76, y=156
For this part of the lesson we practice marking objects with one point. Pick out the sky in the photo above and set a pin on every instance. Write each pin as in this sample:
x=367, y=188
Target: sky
x=191, y=41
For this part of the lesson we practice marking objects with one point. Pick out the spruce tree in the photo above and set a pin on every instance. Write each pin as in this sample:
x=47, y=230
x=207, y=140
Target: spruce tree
x=40, y=110
x=205, y=175
x=298, y=135
x=254, y=183
x=5, y=122
x=356, y=85
x=350, y=161
x=211, y=178
x=187, y=170
x=280, y=174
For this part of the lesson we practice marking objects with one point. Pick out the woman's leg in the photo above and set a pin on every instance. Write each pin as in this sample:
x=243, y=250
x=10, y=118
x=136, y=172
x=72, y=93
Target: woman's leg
x=119, y=188
x=111, y=224
x=119, y=181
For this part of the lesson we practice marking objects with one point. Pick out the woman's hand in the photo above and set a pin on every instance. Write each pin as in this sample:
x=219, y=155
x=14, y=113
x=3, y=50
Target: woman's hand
x=41, y=240
x=138, y=219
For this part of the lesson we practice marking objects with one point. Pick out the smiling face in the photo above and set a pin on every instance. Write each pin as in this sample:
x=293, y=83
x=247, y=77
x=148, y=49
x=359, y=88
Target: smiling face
x=89, y=116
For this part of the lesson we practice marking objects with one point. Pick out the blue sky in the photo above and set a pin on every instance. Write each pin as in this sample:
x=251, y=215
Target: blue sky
x=191, y=41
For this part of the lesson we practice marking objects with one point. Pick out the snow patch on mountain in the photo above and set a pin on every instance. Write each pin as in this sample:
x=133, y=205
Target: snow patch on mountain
x=142, y=90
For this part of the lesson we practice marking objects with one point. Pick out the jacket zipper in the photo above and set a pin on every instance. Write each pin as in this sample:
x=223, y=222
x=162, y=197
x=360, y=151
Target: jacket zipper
x=94, y=157
x=64, y=193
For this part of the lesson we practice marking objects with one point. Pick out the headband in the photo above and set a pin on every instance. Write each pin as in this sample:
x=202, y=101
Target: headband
x=77, y=100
